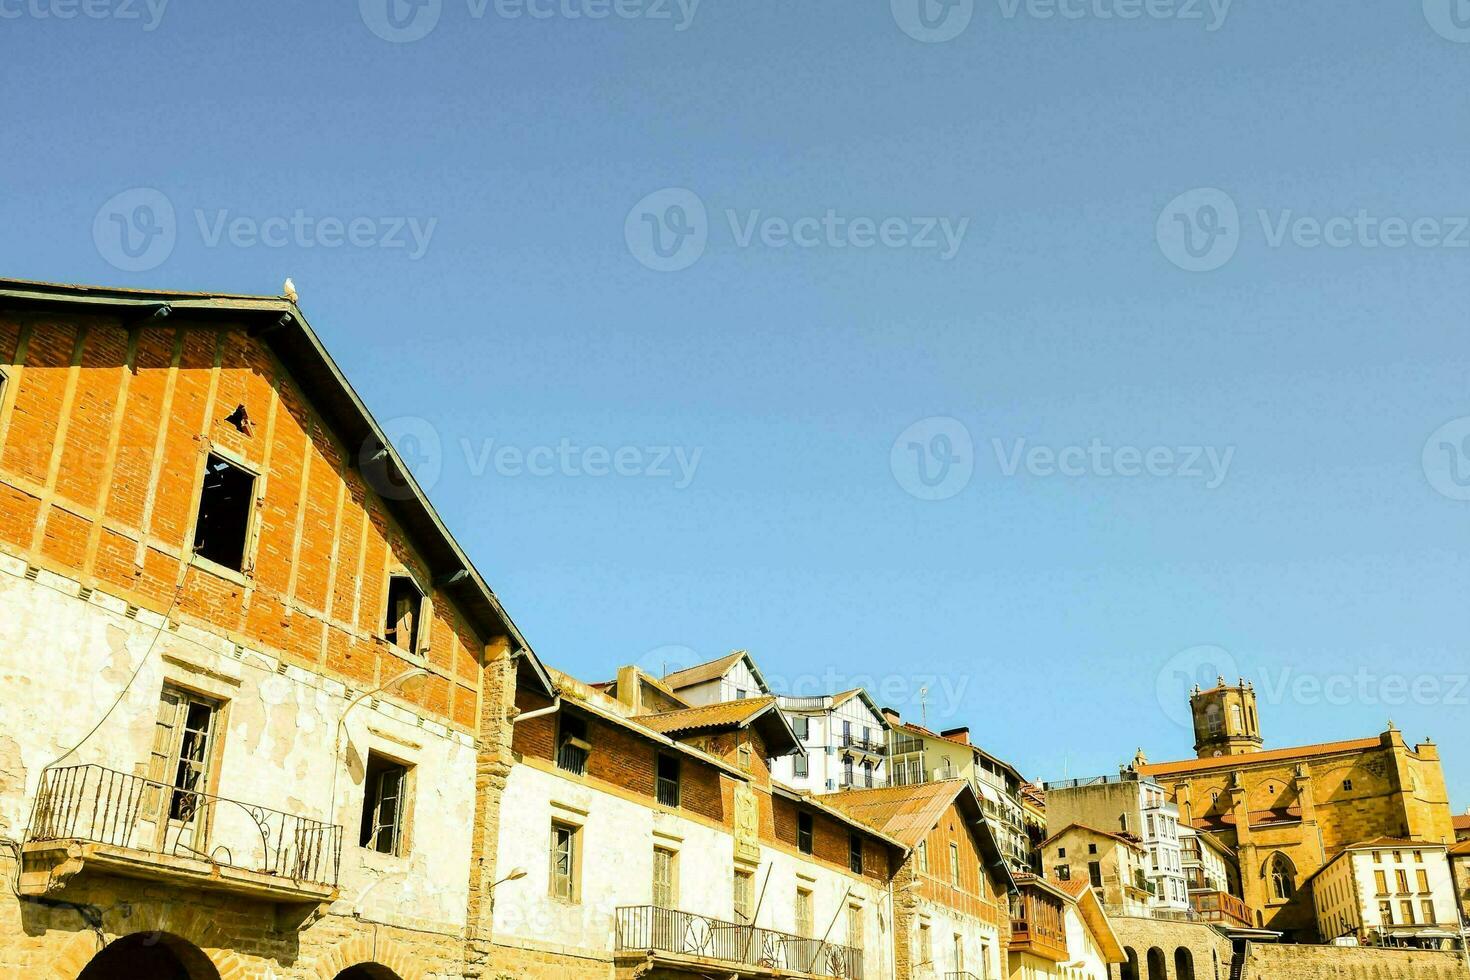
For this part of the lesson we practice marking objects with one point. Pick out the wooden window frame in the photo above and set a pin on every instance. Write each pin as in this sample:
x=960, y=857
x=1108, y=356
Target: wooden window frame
x=573, y=852
x=372, y=798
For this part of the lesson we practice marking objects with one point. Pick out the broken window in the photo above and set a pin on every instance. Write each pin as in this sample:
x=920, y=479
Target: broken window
x=405, y=601
x=564, y=855
x=183, y=747
x=225, y=503
x=382, y=805
x=572, y=746
x=668, y=781
x=855, y=853
x=804, y=832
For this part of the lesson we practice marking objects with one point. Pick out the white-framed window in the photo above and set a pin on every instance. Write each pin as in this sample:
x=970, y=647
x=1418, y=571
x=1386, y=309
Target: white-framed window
x=565, y=861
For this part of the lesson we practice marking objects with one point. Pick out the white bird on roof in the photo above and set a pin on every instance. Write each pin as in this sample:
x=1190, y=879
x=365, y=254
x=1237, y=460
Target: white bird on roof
x=289, y=290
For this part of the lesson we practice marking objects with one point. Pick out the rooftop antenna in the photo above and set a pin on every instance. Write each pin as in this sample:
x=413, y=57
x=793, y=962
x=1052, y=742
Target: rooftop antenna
x=924, y=706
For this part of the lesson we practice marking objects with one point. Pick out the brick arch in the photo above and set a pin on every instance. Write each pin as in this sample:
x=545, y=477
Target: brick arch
x=367, y=951
x=184, y=922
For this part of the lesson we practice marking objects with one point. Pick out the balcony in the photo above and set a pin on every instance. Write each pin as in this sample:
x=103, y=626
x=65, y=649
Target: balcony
x=1220, y=907
x=89, y=819
x=1038, y=925
x=670, y=938
x=867, y=746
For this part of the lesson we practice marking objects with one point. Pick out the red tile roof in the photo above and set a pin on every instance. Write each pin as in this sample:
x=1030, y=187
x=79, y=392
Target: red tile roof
x=906, y=813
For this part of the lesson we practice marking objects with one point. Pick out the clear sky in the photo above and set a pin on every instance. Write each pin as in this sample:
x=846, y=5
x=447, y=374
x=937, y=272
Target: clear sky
x=1019, y=248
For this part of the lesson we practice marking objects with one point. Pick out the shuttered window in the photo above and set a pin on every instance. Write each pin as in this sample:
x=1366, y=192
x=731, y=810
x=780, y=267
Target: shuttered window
x=665, y=891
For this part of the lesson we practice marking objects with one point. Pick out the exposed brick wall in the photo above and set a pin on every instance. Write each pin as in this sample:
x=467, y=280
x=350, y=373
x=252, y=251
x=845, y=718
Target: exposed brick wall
x=104, y=434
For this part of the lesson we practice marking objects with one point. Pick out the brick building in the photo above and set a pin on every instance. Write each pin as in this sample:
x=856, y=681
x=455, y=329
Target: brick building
x=240, y=655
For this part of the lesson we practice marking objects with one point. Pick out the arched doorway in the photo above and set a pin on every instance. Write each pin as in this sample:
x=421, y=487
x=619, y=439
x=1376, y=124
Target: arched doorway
x=1128, y=969
x=367, y=971
x=1158, y=967
x=1183, y=964
x=155, y=955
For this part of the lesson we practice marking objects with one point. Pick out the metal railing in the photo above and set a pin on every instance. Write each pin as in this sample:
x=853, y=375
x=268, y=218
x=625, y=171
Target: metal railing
x=960, y=975
x=872, y=746
x=649, y=927
x=102, y=806
x=572, y=759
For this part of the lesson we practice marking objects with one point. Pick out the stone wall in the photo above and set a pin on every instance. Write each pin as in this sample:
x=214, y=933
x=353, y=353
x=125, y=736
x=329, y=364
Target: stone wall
x=1208, y=952
x=1266, y=961
x=55, y=938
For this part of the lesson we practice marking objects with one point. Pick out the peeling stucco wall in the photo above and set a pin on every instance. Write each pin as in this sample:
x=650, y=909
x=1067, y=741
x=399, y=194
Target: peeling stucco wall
x=68, y=662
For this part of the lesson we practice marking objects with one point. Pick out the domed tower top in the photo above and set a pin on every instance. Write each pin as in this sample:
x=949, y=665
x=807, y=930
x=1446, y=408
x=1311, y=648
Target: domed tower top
x=1225, y=719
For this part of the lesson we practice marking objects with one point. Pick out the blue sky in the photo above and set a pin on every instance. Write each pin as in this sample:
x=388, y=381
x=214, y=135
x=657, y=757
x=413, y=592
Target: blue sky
x=863, y=449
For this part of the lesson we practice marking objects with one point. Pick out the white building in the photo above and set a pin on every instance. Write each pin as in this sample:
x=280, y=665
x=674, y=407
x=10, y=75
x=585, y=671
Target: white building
x=1388, y=892
x=845, y=737
x=733, y=677
x=632, y=841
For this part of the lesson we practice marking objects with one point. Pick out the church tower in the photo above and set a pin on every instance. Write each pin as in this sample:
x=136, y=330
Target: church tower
x=1225, y=720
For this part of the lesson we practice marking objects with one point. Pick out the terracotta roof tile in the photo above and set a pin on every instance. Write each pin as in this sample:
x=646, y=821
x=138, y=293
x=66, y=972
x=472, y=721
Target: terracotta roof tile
x=1461, y=849
x=906, y=813
x=699, y=673
x=719, y=715
x=1128, y=839
x=1075, y=887
x=1461, y=822
x=1253, y=758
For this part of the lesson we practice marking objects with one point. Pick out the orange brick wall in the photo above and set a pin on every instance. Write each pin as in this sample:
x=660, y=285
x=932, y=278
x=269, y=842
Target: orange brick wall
x=976, y=894
x=104, y=435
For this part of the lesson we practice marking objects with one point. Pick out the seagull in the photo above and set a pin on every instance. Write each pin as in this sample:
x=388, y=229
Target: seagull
x=289, y=290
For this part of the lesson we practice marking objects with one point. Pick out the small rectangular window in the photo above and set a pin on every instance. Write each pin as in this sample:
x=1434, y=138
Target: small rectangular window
x=855, y=853
x=804, y=833
x=799, y=764
x=226, y=501
x=855, y=926
x=744, y=896
x=803, y=912
x=668, y=780
x=383, y=798
x=564, y=861
x=954, y=864
x=405, y=603
x=1094, y=873
x=1423, y=881
x=665, y=878
x=1428, y=907
x=924, y=856
x=572, y=747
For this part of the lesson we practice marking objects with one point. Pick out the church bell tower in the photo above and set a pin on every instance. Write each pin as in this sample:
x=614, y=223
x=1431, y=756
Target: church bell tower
x=1225, y=720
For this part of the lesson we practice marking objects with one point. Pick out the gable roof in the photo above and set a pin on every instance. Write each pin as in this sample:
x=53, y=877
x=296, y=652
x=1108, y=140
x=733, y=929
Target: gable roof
x=283, y=328
x=1122, y=838
x=713, y=670
x=1461, y=849
x=762, y=711
x=1095, y=918
x=1256, y=758
x=909, y=813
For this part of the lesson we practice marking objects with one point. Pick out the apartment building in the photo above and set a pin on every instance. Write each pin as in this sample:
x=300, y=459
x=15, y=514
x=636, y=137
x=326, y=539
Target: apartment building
x=637, y=842
x=241, y=658
x=1114, y=865
x=953, y=891
x=918, y=755
x=845, y=738
x=733, y=677
x=1388, y=892
x=1212, y=875
x=1130, y=804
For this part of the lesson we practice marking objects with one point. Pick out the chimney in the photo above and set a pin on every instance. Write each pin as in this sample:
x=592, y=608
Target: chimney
x=961, y=735
x=630, y=688
x=893, y=716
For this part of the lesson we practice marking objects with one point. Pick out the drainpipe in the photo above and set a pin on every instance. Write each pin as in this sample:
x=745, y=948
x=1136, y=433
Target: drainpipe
x=552, y=708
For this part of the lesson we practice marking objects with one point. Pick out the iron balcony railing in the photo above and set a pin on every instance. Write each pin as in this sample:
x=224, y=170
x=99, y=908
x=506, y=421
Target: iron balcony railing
x=869, y=745
x=960, y=975
x=102, y=806
x=651, y=928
